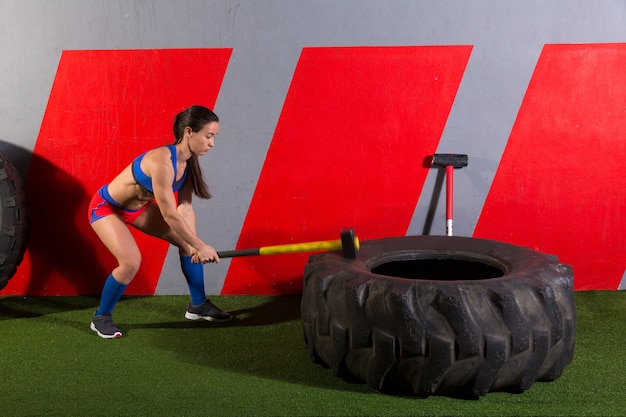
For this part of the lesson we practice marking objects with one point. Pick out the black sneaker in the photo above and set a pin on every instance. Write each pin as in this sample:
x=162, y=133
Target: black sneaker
x=206, y=311
x=104, y=326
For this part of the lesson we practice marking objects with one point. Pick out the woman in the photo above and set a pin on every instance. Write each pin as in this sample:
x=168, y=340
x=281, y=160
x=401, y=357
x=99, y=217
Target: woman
x=143, y=196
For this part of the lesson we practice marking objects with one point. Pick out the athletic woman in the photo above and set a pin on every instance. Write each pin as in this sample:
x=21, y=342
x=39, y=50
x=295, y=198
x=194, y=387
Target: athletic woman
x=143, y=196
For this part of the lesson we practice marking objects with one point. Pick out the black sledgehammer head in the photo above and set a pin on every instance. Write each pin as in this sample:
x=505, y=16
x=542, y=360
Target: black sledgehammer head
x=450, y=159
x=349, y=244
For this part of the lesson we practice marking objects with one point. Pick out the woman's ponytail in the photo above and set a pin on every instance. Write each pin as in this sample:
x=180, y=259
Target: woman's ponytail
x=196, y=117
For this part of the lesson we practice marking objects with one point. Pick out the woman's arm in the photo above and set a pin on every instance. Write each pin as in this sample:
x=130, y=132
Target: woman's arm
x=180, y=218
x=185, y=209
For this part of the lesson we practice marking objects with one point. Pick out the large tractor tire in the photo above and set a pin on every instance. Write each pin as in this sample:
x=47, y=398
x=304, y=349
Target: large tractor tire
x=14, y=220
x=436, y=315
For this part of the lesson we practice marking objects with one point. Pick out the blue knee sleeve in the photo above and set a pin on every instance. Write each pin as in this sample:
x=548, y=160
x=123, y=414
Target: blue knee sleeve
x=111, y=294
x=194, y=274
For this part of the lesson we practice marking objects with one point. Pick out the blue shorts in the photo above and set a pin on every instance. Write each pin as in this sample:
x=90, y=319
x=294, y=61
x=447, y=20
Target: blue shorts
x=102, y=205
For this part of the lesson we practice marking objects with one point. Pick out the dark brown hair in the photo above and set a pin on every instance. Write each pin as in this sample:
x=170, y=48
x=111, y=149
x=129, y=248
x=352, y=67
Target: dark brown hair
x=196, y=117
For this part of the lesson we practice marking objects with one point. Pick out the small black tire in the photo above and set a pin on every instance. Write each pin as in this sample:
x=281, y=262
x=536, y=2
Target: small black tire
x=436, y=315
x=14, y=220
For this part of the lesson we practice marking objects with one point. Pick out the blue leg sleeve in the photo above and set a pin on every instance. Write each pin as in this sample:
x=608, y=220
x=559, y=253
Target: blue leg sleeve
x=194, y=274
x=111, y=294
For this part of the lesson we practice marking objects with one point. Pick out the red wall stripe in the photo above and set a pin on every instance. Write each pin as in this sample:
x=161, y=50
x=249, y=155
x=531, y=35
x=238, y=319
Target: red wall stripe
x=348, y=151
x=105, y=107
x=558, y=188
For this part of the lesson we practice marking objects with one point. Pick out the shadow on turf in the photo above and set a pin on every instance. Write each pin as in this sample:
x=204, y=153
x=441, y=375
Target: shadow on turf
x=18, y=307
x=263, y=340
x=274, y=311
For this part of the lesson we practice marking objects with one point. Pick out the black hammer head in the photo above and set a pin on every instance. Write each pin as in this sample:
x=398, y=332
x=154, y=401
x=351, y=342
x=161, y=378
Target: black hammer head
x=349, y=244
x=450, y=159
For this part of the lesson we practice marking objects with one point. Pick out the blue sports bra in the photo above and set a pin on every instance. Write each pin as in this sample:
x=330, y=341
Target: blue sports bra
x=146, y=182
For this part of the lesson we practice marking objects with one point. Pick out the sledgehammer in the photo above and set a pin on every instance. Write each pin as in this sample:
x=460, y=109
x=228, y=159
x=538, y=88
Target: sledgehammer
x=348, y=244
x=449, y=161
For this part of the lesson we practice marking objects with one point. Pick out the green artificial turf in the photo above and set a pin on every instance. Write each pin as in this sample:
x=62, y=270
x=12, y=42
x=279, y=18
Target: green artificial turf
x=52, y=364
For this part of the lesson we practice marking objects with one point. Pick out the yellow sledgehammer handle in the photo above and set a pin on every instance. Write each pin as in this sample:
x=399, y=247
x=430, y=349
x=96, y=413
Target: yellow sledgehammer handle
x=349, y=244
x=324, y=245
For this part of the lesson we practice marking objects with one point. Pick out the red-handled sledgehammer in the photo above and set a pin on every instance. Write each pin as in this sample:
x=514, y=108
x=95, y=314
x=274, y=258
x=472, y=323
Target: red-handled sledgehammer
x=450, y=161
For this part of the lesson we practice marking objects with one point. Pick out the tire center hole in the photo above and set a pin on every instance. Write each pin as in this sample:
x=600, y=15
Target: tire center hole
x=438, y=269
